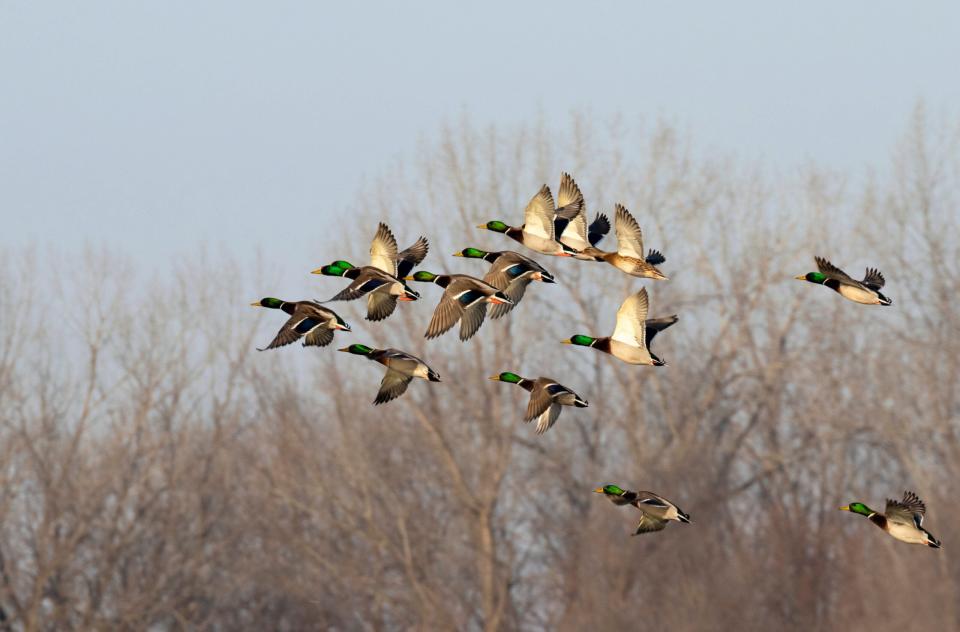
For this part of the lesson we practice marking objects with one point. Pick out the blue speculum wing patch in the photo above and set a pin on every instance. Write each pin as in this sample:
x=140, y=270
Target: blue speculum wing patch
x=371, y=285
x=553, y=389
x=306, y=325
x=515, y=270
x=469, y=297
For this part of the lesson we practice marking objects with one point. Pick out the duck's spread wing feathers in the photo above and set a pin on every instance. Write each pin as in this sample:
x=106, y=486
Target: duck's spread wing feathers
x=631, y=317
x=629, y=235
x=910, y=510
x=539, y=215
x=514, y=292
x=833, y=272
x=383, y=250
x=410, y=258
x=445, y=316
x=380, y=305
x=648, y=523
x=289, y=332
x=598, y=228
x=392, y=386
x=540, y=400
x=874, y=279
x=318, y=337
x=654, y=326
x=471, y=320
x=569, y=207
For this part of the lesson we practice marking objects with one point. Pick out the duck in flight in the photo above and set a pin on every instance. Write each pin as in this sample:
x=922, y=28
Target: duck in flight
x=546, y=398
x=633, y=334
x=538, y=231
x=308, y=319
x=402, y=367
x=865, y=292
x=464, y=299
x=380, y=281
x=510, y=272
x=655, y=510
x=903, y=519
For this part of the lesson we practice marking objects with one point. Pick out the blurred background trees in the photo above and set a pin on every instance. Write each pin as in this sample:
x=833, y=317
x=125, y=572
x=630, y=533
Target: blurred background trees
x=156, y=472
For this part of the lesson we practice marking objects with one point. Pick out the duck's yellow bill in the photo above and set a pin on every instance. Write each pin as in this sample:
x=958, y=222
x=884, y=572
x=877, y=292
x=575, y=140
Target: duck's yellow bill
x=317, y=271
x=458, y=254
x=256, y=304
x=801, y=277
x=845, y=508
x=344, y=349
x=567, y=341
x=481, y=225
x=598, y=490
x=495, y=378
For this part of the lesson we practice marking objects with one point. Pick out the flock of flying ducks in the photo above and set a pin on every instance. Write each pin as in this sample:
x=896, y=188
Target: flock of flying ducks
x=557, y=229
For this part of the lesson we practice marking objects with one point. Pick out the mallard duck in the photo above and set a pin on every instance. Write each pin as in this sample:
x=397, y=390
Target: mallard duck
x=546, y=398
x=866, y=292
x=380, y=281
x=903, y=519
x=574, y=232
x=510, y=272
x=464, y=299
x=307, y=318
x=629, y=256
x=538, y=231
x=633, y=334
x=655, y=509
x=401, y=369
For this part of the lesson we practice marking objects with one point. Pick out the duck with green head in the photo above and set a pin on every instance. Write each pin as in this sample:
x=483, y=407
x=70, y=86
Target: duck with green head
x=655, y=510
x=538, y=231
x=308, y=320
x=865, y=292
x=903, y=519
x=380, y=281
x=464, y=299
x=402, y=367
x=546, y=398
x=633, y=334
x=510, y=272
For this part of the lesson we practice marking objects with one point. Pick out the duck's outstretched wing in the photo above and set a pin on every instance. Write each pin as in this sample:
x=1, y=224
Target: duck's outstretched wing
x=629, y=235
x=393, y=385
x=631, y=319
x=654, y=326
x=910, y=510
x=383, y=250
x=599, y=227
x=874, y=279
x=833, y=272
x=410, y=258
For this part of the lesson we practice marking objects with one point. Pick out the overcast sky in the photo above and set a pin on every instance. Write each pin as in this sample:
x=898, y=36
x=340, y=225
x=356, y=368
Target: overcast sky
x=160, y=125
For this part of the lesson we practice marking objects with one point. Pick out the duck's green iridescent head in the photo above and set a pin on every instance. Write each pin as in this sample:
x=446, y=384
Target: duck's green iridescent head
x=611, y=490
x=337, y=268
x=858, y=508
x=496, y=226
x=471, y=253
x=812, y=277
x=421, y=275
x=272, y=303
x=357, y=349
x=507, y=376
x=581, y=340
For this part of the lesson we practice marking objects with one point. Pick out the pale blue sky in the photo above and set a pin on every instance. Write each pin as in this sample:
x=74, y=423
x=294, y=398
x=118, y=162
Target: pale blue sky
x=161, y=125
